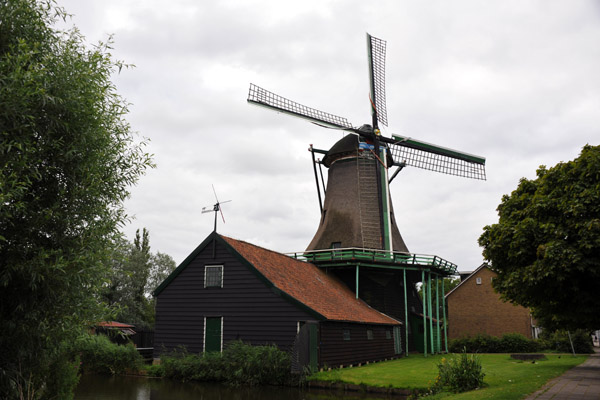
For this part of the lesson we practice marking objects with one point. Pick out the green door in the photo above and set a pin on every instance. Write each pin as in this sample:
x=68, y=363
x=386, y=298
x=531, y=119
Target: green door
x=213, y=334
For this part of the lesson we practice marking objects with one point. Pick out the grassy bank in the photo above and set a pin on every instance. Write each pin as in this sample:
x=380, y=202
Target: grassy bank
x=505, y=378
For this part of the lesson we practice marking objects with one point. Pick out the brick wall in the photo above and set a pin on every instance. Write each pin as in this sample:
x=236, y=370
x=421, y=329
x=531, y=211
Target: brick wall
x=475, y=308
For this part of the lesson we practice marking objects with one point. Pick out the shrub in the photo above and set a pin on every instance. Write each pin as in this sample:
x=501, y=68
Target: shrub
x=559, y=341
x=517, y=343
x=483, y=343
x=238, y=364
x=63, y=375
x=462, y=374
x=99, y=355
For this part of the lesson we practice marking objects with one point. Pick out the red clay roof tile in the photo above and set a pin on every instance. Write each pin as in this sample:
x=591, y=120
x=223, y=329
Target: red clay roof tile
x=309, y=285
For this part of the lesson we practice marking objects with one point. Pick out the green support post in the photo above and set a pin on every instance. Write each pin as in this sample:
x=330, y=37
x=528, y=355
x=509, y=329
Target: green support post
x=357, y=281
x=437, y=312
x=424, y=286
x=445, y=322
x=405, y=313
x=430, y=312
x=385, y=198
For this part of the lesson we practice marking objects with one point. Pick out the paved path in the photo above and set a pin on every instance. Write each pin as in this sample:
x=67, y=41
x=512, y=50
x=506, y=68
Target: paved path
x=581, y=382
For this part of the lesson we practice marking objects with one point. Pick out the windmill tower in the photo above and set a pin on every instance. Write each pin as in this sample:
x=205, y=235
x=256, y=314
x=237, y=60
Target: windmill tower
x=358, y=238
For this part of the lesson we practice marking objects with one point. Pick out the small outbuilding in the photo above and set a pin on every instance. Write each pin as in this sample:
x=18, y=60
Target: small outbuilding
x=474, y=307
x=228, y=289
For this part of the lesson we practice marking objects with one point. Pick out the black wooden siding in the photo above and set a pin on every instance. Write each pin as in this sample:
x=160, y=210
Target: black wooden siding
x=335, y=351
x=251, y=310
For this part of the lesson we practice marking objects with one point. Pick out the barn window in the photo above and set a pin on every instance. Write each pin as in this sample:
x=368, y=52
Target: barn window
x=478, y=281
x=388, y=334
x=346, y=333
x=213, y=276
x=370, y=334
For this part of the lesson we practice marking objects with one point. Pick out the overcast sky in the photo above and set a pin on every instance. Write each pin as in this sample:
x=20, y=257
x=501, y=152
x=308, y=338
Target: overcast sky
x=516, y=82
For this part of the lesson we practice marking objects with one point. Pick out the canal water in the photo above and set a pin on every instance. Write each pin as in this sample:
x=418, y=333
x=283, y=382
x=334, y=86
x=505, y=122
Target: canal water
x=97, y=387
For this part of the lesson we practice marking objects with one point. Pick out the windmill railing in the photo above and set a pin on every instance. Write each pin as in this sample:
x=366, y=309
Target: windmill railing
x=354, y=254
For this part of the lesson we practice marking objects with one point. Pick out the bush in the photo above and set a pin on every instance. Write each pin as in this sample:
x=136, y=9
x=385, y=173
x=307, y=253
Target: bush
x=559, y=341
x=63, y=375
x=482, y=343
x=99, y=355
x=517, y=343
x=462, y=374
x=238, y=364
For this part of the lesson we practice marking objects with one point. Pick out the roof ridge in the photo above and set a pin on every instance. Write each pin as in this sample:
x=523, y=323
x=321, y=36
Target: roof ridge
x=263, y=248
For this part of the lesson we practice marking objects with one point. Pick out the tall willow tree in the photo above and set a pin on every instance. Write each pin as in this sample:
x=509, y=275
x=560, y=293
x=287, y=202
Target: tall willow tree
x=67, y=159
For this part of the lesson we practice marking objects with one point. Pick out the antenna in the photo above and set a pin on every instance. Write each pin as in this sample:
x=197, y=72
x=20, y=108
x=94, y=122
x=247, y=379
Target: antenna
x=215, y=208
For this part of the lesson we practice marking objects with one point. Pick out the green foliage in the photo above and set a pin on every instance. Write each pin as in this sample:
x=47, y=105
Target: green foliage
x=482, y=343
x=134, y=273
x=67, y=159
x=559, y=341
x=462, y=374
x=99, y=355
x=63, y=374
x=238, y=364
x=546, y=244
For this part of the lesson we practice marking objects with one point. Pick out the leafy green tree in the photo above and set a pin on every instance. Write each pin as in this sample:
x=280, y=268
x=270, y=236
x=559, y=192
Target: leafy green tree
x=67, y=159
x=136, y=272
x=546, y=244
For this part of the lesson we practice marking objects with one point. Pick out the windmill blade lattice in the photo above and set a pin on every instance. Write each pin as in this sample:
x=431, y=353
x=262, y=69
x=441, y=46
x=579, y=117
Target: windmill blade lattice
x=436, y=158
x=262, y=97
x=376, y=50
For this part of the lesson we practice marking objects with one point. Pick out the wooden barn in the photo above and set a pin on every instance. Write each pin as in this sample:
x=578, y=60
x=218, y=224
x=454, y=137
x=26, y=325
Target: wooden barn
x=228, y=289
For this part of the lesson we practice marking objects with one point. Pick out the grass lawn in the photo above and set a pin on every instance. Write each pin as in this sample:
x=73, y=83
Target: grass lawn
x=505, y=378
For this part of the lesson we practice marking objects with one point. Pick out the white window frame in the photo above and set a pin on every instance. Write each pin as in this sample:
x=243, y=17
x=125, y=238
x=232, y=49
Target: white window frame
x=478, y=281
x=206, y=268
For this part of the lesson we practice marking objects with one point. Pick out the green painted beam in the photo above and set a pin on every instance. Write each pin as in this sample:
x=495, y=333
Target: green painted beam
x=437, y=313
x=405, y=312
x=424, y=314
x=430, y=312
x=432, y=148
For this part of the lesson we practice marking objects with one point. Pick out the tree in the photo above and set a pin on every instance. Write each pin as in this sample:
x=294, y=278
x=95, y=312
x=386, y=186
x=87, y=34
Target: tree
x=546, y=244
x=136, y=272
x=67, y=158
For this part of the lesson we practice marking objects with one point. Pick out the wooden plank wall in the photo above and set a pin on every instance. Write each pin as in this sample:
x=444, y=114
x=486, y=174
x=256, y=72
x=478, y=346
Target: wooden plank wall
x=335, y=351
x=251, y=310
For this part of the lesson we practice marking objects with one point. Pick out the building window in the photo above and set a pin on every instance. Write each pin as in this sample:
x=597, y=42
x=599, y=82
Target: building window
x=369, y=334
x=213, y=276
x=346, y=334
x=388, y=334
x=478, y=281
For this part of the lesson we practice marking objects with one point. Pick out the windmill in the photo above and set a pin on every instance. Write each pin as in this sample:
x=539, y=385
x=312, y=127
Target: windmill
x=216, y=208
x=378, y=153
x=357, y=228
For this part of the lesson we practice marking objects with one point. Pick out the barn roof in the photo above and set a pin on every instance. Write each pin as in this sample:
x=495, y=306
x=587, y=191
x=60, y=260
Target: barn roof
x=298, y=281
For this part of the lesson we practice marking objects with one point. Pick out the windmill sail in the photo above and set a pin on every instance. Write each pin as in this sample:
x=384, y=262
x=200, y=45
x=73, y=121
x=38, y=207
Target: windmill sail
x=436, y=158
x=376, y=50
x=264, y=98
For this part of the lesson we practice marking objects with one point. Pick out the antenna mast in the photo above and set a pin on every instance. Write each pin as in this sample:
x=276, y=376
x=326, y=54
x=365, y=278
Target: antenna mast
x=216, y=208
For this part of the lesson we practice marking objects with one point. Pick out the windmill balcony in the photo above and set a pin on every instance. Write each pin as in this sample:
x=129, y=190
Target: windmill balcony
x=376, y=258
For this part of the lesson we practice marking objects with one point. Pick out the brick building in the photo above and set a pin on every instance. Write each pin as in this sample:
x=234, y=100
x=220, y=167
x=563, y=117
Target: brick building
x=474, y=307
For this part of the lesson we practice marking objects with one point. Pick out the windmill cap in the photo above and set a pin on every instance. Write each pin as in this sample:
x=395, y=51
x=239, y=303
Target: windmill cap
x=347, y=146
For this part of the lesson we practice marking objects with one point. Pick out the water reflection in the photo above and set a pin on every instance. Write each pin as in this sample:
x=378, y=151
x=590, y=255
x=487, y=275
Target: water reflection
x=133, y=388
